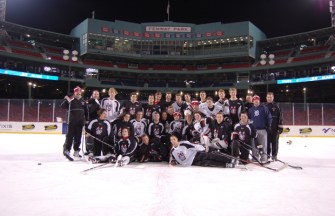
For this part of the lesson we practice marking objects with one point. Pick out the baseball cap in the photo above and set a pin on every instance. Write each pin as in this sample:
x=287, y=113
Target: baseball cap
x=77, y=89
x=255, y=97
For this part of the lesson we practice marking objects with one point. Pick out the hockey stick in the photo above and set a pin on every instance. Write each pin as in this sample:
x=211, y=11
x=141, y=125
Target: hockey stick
x=248, y=162
x=262, y=164
x=252, y=147
x=83, y=141
x=94, y=168
x=103, y=142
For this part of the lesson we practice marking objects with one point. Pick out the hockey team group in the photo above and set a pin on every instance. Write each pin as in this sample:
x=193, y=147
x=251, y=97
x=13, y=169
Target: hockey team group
x=183, y=131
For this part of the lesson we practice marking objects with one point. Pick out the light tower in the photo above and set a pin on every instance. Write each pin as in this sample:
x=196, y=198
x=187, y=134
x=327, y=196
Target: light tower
x=264, y=60
x=73, y=56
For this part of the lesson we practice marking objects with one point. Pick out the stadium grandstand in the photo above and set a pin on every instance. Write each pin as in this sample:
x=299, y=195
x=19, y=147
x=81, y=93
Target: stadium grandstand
x=162, y=56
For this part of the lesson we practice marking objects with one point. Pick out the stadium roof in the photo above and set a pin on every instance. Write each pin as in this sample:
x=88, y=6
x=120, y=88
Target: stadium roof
x=40, y=35
x=321, y=34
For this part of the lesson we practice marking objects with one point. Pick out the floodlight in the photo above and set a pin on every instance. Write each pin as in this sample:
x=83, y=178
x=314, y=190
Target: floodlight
x=271, y=56
x=66, y=52
x=263, y=56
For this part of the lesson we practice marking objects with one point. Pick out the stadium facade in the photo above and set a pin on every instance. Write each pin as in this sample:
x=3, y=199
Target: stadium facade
x=166, y=56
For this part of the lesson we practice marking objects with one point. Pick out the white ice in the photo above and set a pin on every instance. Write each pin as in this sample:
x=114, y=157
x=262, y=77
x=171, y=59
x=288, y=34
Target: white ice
x=57, y=187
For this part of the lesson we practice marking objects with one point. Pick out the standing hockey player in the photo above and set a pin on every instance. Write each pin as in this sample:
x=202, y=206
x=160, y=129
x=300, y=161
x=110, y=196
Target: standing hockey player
x=235, y=105
x=93, y=106
x=132, y=106
x=77, y=113
x=111, y=105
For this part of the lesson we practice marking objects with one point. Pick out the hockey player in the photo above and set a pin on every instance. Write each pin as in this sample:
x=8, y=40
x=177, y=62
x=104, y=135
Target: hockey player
x=186, y=153
x=122, y=121
x=132, y=106
x=220, y=131
x=179, y=105
x=235, y=105
x=111, y=105
x=177, y=125
x=276, y=126
x=168, y=101
x=223, y=101
x=100, y=128
x=188, y=130
x=193, y=107
x=151, y=150
x=248, y=102
x=187, y=98
x=156, y=128
x=210, y=110
x=93, y=105
x=202, y=102
x=242, y=138
x=139, y=125
x=202, y=132
x=77, y=114
x=149, y=108
x=125, y=148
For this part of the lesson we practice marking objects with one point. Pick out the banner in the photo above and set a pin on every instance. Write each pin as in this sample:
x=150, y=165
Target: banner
x=31, y=127
x=208, y=34
x=105, y=29
x=157, y=35
x=147, y=35
x=127, y=33
x=137, y=34
x=188, y=35
x=167, y=29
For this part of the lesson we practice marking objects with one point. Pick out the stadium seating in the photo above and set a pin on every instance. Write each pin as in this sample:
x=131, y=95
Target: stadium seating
x=98, y=63
x=27, y=53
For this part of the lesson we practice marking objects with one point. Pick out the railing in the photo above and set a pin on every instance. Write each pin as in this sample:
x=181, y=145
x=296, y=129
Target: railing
x=25, y=110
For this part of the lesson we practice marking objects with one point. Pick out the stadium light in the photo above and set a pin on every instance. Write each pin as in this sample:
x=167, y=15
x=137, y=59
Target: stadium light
x=250, y=91
x=264, y=60
x=73, y=55
x=332, y=69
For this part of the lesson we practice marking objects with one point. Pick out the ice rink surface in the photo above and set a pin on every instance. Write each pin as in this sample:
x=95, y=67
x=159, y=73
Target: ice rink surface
x=57, y=186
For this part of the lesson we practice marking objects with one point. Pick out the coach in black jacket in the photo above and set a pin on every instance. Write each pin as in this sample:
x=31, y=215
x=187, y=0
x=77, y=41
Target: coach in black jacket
x=77, y=113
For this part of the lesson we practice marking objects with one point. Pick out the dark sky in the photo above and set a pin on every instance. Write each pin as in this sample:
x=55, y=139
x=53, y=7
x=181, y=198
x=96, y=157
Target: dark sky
x=273, y=17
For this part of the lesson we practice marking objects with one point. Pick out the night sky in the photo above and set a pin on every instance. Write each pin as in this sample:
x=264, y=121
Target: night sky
x=273, y=17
